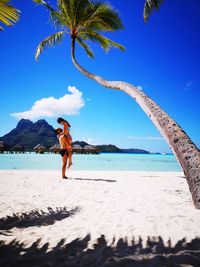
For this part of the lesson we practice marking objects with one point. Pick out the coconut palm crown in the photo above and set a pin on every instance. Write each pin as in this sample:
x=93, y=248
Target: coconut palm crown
x=149, y=6
x=8, y=14
x=83, y=21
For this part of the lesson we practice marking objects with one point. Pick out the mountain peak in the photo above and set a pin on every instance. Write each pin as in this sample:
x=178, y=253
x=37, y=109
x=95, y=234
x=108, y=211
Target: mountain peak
x=24, y=123
x=42, y=121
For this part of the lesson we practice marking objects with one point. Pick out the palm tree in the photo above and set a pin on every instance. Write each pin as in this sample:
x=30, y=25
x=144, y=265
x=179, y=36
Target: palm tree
x=8, y=14
x=84, y=21
x=149, y=6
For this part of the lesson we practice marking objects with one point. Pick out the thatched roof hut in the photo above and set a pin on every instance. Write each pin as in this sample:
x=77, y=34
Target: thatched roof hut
x=40, y=149
x=4, y=147
x=55, y=148
x=88, y=149
x=77, y=149
x=18, y=148
x=36, y=147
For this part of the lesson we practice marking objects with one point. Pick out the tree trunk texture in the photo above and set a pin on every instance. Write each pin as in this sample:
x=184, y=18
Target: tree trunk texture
x=184, y=149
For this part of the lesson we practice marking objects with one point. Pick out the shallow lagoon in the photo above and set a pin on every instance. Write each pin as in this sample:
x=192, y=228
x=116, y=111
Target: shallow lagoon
x=103, y=161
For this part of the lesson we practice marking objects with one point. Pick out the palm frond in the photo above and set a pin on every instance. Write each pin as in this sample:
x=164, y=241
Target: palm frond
x=8, y=14
x=55, y=15
x=105, y=42
x=102, y=17
x=44, y=3
x=86, y=47
x=149, y=6
x=80, y=11
x=67, y=9
x=48, y=41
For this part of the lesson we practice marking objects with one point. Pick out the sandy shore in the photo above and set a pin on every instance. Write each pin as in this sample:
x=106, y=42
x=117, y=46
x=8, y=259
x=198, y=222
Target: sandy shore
x=97, y=218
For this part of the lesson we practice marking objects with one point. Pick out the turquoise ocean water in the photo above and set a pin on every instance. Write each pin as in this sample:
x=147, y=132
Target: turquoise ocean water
x=104, y=161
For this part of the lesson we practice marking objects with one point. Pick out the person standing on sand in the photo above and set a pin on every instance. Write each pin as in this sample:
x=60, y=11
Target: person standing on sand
x=65, y=147
x=66, y=129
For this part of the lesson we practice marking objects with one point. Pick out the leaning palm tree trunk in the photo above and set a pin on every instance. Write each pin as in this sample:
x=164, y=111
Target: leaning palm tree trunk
x=185, y=150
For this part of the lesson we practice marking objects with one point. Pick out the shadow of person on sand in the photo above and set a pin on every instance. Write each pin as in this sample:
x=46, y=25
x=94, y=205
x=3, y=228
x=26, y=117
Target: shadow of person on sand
x=94, y=180
x=115, y=254
x=35, y=218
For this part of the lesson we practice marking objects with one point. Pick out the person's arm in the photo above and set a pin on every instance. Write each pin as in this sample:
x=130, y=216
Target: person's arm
x=66, y=128
x=66, y=132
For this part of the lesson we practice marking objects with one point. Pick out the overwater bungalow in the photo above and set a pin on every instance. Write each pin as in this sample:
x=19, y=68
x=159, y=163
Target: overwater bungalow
x=40, y=149
x=88, y=149
x=77, y=149
x=18, y=148
x=36, y=147
x=4, y=147
x=55, y=148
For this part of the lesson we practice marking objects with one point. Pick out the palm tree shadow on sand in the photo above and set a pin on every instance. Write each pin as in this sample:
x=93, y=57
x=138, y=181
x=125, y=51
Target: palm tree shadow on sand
x=76, y=253
x=94, y=180
x=35, y=218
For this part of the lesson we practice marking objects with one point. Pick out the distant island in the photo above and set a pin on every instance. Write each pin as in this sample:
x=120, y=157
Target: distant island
x=28, y=135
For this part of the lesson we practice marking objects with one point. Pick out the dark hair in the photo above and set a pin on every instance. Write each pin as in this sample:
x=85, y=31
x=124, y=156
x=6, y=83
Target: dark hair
x=59, y=120
x=58, y=131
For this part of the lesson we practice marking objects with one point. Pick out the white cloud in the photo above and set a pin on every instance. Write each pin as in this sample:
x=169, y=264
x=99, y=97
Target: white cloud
x=153, y=138
x=69, y=104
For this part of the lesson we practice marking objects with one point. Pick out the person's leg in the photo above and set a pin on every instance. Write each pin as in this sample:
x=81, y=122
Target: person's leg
x=70, y=158
x=64, y=164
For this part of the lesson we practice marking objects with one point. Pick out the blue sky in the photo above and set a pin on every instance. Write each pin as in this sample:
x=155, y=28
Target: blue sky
x=162, y=56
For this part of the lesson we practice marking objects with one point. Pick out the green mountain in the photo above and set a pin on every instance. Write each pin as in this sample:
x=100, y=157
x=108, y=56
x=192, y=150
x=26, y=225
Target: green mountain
x=29, y=134
x=108, y=149
x=134, y=151
x=80, y=143
x=115, y=149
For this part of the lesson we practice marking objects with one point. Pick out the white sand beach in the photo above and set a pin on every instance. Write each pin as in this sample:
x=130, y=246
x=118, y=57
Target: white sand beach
x=104, y=217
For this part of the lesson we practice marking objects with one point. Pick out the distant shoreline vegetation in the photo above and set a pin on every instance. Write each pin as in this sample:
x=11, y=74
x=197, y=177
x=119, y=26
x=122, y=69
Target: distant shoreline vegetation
x=85, y=148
